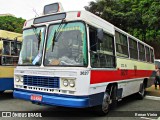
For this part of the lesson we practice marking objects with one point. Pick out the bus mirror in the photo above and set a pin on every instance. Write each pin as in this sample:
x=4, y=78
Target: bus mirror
x=100, y=34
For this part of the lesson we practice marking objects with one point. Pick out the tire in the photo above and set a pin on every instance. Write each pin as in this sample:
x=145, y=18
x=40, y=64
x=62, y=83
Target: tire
x=141, y=93
x=103, y=109
x=114, y=98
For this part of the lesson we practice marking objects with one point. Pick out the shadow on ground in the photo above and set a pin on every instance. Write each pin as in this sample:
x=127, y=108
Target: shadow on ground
x=6, y=95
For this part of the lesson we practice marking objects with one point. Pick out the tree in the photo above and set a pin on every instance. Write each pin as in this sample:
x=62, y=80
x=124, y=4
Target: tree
x=11, y=23
x=140, y=18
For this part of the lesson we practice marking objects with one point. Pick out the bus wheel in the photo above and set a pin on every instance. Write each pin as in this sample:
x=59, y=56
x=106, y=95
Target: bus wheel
x=141, y=92
x=103, y=109
x=114, y=98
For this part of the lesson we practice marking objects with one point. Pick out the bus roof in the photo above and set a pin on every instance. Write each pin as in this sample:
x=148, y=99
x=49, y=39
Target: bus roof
x=10, y=35
x=89, y=18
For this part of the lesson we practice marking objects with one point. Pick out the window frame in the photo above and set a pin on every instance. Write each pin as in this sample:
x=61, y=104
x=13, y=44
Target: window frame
x=118, y=53
x=146, y=47
x=152, y=55
x=10, y=56
x=141, y=52
x=133, y=49
x=99, y=52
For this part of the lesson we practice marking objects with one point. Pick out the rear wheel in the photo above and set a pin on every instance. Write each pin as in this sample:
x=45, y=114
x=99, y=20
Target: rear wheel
x=114, y=97
x=141, y=93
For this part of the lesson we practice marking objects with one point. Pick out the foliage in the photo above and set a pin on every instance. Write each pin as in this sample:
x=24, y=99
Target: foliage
x=138, y=17
x=141, y=18
x=11, y=23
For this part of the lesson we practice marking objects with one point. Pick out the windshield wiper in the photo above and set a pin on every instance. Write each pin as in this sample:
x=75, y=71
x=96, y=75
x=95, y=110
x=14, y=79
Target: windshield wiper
x=38, y=35
x=57, y=34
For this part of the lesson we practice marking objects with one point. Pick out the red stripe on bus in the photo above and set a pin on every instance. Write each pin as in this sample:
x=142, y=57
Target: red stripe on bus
x=100, y=76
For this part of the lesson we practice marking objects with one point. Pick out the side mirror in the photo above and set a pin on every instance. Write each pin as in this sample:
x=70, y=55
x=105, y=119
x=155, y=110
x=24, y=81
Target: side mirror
x=100, y=34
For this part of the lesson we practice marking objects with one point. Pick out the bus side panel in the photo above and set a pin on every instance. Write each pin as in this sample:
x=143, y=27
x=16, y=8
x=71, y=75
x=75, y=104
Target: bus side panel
x=130, y=87
x=100, y=76
x=6, y=72
x=6, y=78
x=6, y=84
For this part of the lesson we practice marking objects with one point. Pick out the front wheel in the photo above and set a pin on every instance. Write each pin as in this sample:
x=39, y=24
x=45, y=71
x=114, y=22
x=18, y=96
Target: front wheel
x=103, y=109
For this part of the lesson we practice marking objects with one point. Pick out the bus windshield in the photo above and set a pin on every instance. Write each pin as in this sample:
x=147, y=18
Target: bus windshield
x=31, y=52
x=66, y=45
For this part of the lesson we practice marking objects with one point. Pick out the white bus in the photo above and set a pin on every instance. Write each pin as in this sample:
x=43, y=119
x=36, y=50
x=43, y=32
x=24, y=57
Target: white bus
x=76, y=59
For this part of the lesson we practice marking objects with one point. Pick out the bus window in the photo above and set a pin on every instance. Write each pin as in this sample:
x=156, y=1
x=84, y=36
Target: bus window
x=18, y=48
x=69, y=47
x=141, y=52
x=121, y=45
x=93, y=39
x=6, y=47
x=15, y=50
x=102, y=54
x=147, y=54
x=133, y=49
x=152, y=55
x=30, y=45
x=9, y=60
x=107, y=52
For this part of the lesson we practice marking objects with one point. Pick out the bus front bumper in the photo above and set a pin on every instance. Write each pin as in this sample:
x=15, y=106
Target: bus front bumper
x=57, y=100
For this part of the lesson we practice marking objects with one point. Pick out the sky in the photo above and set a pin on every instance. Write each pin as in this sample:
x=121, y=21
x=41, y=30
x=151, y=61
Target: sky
x=25, y=8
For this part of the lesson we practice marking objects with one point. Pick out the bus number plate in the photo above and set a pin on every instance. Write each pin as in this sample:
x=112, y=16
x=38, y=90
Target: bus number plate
x=36, y=97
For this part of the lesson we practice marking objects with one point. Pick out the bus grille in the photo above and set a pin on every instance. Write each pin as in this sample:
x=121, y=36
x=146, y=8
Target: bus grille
x=41, y=81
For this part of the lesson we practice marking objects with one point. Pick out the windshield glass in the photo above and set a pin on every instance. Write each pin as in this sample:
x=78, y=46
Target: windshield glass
x=67, y=46
x=31, y=52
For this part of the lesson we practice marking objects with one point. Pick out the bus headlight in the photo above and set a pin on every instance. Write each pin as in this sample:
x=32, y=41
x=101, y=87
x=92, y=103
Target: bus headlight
x=71, y=83
x=65, y=83
x=21, y=79
x=17, y=79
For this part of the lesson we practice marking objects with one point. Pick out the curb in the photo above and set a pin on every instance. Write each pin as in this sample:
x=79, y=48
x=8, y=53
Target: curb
x=152, y=97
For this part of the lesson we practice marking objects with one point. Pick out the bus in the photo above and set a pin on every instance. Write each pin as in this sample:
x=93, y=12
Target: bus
x=10, y=45
x=77, y=59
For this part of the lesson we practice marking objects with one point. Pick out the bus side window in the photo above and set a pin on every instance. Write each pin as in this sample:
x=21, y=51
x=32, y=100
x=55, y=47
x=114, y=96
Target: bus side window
x=102, y=54
x=6, y=46
x=152, y=55
x=121, y=44
x=93, y=39
x=93, y=48
x=141, y=52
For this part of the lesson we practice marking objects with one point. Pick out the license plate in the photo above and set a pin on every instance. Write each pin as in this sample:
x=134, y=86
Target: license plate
x=36, y=97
